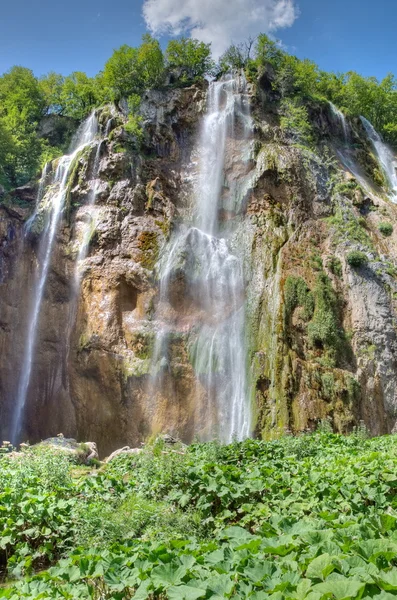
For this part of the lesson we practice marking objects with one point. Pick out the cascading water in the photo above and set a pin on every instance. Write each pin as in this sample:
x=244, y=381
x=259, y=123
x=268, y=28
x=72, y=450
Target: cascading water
x=213, y=277
x=385, y=156
x=84, y=136
x=341, y=119
x=90, y=218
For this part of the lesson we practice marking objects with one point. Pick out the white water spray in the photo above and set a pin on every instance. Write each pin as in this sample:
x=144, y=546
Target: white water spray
x=84, y=136
x=341, y=119
x=385, y=156
x=213, y=277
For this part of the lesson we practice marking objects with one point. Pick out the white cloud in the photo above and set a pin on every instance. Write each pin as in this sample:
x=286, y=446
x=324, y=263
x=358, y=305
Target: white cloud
x=219, y=21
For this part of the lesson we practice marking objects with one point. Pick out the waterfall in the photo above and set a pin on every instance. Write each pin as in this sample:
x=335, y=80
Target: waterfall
x=90, y=218
x=385, y=157
x=40, y=194
x=341, y=119
x=213, y=282
x=84, y=136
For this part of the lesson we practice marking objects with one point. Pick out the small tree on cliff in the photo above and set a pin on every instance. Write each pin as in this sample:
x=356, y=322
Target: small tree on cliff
x=190, y=58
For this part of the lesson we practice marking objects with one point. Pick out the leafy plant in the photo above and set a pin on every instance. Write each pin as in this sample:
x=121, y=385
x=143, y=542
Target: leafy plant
x=312, y=516
x=386, y=229
x=356, y=259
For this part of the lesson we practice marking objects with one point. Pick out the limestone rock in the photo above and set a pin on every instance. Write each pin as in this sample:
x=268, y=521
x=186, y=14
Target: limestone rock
x=125, y=450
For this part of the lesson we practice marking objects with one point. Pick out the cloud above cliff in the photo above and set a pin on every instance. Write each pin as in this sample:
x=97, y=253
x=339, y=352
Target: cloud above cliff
x=220, y=22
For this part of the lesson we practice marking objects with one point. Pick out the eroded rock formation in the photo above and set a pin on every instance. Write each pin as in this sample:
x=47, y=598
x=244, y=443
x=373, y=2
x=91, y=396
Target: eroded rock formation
x=320, y=334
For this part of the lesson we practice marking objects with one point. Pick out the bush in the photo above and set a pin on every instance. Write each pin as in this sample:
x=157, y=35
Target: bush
x=296, y=293
x=386, y=229
x=335, y=266
x=356, y=258
x=191, y=57
x=295, y=122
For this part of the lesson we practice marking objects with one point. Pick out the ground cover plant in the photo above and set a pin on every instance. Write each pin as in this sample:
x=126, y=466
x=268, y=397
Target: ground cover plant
x=307, y=517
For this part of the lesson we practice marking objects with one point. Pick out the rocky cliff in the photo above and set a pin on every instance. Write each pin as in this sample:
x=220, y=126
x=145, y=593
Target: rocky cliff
x=320, y=279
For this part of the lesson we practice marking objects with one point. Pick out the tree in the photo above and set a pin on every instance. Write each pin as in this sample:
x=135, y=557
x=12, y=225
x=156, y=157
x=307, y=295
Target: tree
x=267, y=51
x=150, y=61
x=21, y=99
x=51, y=86
x=122, y=73
x=78, y=95
x=236, y=57
x=7, y=153
x=190, y=57
x=22, y=104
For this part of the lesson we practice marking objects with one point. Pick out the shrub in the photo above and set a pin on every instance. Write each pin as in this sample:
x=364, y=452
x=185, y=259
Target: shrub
x=355, y=258
x=386, y=229
x=191, y=57
x=335, y=266
x=296, y=293
x=295, y=121
x=324, y=329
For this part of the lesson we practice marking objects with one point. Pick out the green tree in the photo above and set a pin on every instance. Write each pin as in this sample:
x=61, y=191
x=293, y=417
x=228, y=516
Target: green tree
x=190, y=57
x=131, y=70
x=150, y=61
x=267, y=51
x=21, y=98
x=51, y=86
x=22, y=104
x=78, y=95
x=122, y=74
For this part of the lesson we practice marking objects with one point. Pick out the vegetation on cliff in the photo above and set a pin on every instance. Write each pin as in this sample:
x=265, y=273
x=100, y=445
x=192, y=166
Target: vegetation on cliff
x=25, y=99
x=308, y=517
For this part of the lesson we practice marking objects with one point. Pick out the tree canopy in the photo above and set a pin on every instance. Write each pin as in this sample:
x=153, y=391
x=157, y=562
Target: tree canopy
x=26, y=99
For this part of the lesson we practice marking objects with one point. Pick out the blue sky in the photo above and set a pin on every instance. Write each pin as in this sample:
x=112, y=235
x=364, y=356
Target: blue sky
x=339, y=35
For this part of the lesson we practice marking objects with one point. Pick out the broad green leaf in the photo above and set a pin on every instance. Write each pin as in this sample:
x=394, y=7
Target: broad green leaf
x=184, y=592
x=340, y=589
x=166, y=575
x=388, y=579
x=320, y=567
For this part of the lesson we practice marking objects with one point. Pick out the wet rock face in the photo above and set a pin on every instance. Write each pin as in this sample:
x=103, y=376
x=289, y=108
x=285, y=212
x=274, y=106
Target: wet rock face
x=321, y=335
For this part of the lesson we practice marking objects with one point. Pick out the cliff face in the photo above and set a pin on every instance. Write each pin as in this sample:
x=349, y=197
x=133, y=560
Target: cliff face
x=320, y=332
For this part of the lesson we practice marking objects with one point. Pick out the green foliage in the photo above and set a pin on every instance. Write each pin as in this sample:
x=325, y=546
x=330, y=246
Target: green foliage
x=131, y=70
x=324, y=330
x=134, y=123
x=346, y=188
x=236, y=57
x=21, y=106
x=348, y=227
x=51, y=87
x=356, y=258
x=386, y=229
x=295, y=122
x=190, y=57
x=78, y=95
x=335, y=266
x=267, y=51
x=296, y=293
x=354, y=94
x=310, y=517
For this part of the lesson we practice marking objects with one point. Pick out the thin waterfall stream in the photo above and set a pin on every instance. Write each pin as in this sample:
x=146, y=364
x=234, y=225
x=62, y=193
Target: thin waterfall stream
x=341, y=119
x=213, y=276
x=385, y=157
x=85, y=135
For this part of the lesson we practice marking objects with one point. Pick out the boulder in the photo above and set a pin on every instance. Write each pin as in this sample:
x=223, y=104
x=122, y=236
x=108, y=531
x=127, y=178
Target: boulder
x=125, y=450
x=82, y=453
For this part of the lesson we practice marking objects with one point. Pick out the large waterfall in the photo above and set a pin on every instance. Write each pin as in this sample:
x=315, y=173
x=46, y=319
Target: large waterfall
x=84, y=136
x=201, y=267
x=385, y=156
